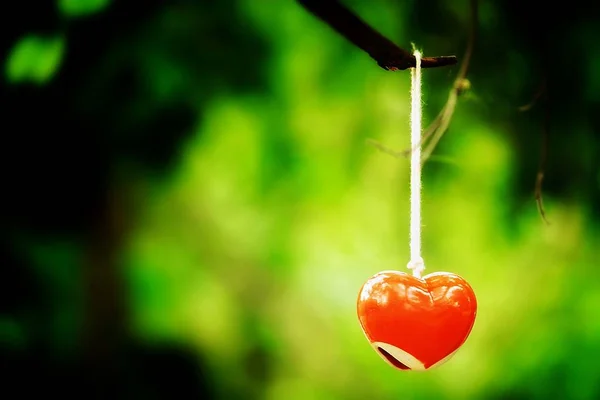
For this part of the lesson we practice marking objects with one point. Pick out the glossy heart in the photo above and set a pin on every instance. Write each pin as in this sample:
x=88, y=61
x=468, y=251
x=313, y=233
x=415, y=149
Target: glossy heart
x=416, y=323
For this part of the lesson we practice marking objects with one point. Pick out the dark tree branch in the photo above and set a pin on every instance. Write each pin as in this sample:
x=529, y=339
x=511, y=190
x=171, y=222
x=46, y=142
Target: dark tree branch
x=387, y=54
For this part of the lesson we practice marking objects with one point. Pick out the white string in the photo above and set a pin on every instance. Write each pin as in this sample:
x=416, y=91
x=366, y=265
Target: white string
x=416, y=261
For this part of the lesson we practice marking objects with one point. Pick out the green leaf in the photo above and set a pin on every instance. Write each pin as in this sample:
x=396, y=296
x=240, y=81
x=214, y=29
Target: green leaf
x=34, y=59
x=80, y=8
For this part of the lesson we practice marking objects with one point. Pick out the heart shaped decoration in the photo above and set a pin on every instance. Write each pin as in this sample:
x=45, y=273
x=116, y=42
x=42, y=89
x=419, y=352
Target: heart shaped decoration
x=416, y=323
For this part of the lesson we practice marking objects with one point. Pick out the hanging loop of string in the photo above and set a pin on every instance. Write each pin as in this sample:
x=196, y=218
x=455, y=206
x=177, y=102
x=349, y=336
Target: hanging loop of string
x=416, y=262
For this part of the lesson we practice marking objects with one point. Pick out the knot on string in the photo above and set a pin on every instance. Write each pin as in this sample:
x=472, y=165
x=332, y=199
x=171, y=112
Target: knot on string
x=417, y=265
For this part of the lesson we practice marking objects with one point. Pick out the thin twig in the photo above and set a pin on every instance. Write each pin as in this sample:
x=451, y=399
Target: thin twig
x=541, y=90
x=542, y=93
x=387, y=54
x=539, y=200
x=542, y=166
x=543, y=157
x=436, y=130
x=438, y=127
x=387, y=150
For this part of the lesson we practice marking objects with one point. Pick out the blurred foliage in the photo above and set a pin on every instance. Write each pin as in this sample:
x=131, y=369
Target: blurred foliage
x=191, y=203
x=34, y=59
x=78, y=8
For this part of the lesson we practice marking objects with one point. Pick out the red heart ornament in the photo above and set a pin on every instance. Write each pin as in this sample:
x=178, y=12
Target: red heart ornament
x=416, y=323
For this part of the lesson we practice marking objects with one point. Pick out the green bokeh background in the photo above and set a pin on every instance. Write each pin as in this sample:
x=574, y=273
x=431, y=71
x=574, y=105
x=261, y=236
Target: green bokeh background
x=247, y=247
